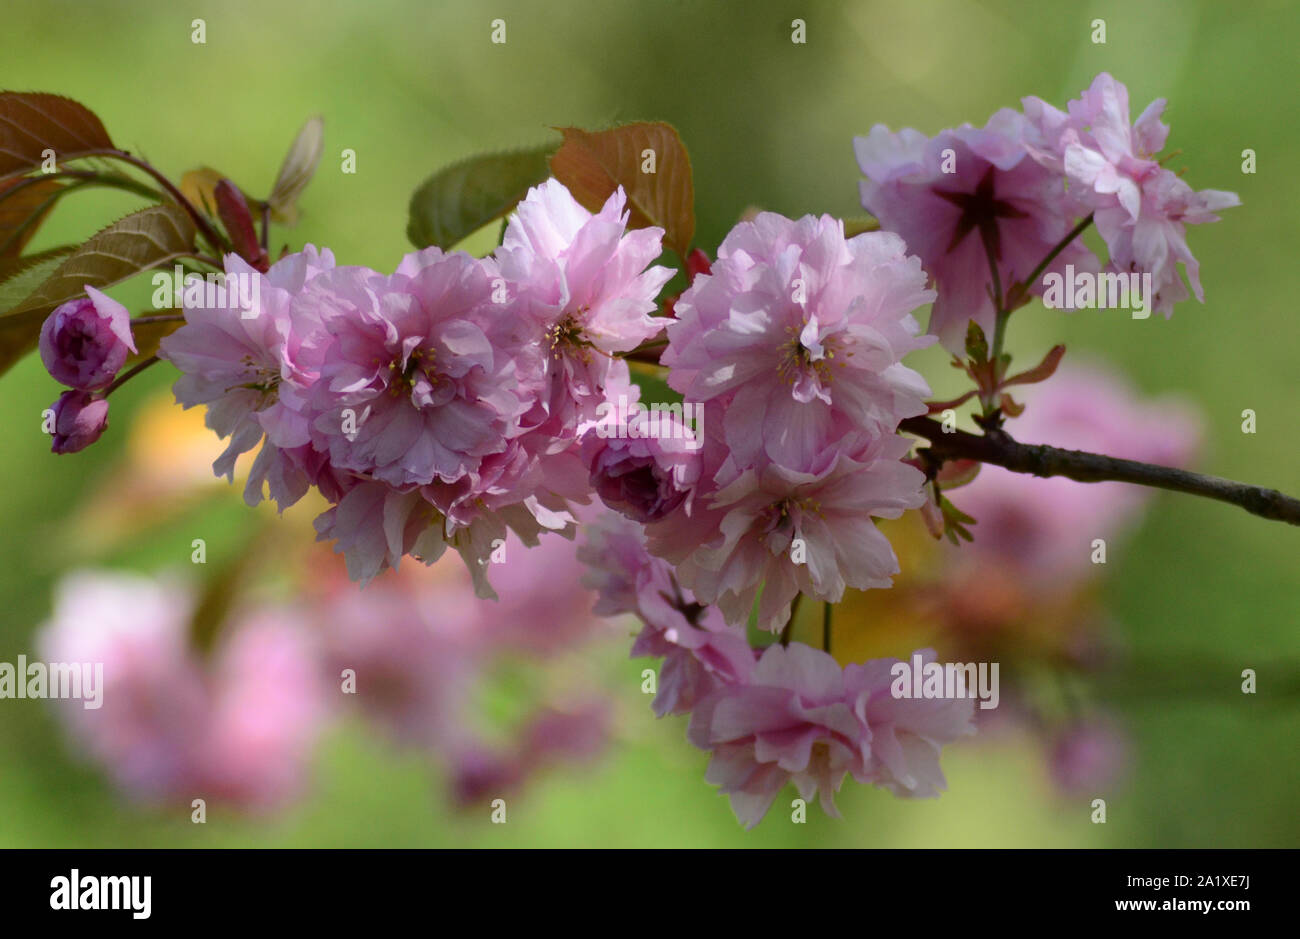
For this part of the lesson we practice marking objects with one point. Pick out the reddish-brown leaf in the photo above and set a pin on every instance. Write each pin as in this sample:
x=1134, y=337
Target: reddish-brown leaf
x=594, y=165
x=1040, y=372
x=33, y=122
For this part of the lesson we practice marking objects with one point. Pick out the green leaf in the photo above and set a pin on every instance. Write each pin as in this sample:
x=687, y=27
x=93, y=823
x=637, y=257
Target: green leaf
x=297, y=170
x=31, y=123
x=977, y=346
x=140, y=241
x=594, y=165
x=460, y=199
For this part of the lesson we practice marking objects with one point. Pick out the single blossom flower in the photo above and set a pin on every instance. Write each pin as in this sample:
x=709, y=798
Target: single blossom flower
x=962, y=196
x=250, y=365
x=791, y=722
x=791, y=532
x=412, y=385
x=79, y=420
x=586, y=284
x=85, y=342
x=1140, y=208
x=805, y=331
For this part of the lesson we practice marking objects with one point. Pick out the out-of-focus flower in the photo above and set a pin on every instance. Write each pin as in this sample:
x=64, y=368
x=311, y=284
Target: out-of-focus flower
x=269, y=706
x=238, y=727
x=1043, y=529
x=1088, y=756
x=84, y=342
x=148, y=730
x=573, y=735
x=79, y=420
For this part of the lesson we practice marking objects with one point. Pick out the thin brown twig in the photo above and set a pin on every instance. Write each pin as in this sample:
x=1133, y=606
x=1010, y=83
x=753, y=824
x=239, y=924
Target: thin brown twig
x=999, y=449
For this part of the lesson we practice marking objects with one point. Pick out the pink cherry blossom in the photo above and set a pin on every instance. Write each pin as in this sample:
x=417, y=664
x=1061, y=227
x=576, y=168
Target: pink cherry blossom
x=800, y=718
x=1140, y=208
x=792, y=532
x=585, y=281
x=806, y=331
x=412, y=387
x=950, y=194
x=791, y=722
x=249, y=366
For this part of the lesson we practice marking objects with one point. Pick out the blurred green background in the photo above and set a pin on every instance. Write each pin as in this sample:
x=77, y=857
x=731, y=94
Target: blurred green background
x=412, y=86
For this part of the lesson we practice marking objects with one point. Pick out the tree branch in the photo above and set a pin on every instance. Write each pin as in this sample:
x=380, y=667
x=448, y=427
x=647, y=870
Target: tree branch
x=999, y=449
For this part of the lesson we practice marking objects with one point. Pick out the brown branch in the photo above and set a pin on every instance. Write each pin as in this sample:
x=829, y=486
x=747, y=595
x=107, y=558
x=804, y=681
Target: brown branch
x=999, y=449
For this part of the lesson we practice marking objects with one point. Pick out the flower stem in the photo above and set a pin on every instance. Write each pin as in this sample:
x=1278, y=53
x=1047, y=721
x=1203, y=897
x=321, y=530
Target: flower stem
x=209, y=233
x=129, y=374
x=789, y=624
x=1021, y=290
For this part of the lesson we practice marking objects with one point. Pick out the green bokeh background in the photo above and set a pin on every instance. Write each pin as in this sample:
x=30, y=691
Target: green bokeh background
x=412, y=86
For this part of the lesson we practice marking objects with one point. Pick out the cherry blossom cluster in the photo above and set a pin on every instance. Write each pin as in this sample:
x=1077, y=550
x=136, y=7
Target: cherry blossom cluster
x=438, y=405
x=460, y=401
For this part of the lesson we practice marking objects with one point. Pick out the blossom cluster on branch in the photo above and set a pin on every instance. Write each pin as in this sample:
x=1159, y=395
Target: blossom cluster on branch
x=458, y=400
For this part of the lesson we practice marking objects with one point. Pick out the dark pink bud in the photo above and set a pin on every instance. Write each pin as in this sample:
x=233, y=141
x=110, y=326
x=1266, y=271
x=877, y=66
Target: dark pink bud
x=232, y=207
x=85, y=341
x=79, y=420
